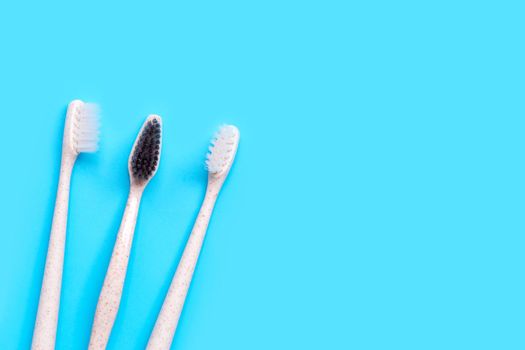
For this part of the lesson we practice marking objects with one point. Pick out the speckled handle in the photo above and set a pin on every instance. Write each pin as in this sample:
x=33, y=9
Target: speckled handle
x=166, y=324
x=109, y=299
x=44, y=334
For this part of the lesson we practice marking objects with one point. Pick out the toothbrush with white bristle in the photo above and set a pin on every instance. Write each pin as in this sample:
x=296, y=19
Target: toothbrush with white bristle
x=80, y=135
x=219, y=161
x=142, y=165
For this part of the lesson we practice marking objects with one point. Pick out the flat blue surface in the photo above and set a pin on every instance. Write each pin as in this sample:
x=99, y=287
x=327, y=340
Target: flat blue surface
x=378, y=196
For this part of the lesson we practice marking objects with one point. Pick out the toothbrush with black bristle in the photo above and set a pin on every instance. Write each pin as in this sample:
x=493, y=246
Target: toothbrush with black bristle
x=142, y=165
x=81, y=133
x=219, y=161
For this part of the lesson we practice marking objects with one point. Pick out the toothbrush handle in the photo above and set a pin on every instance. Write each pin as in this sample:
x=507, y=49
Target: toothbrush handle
x=162, y=335
x=44, y=334
x=109, y=299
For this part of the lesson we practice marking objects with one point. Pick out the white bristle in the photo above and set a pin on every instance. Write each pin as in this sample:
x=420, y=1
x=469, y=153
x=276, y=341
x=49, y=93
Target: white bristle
x=86, y=127
x=222, y=149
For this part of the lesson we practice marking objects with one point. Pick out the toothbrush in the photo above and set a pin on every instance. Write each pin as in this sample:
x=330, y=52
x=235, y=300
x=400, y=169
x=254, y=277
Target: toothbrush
x=80, y=135
x=142, y=166
x=219, y=161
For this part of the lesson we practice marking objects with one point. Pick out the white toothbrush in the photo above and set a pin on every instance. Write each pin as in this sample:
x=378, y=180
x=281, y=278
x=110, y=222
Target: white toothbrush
x=219, y=161
x=142, y=165
x=80, y=135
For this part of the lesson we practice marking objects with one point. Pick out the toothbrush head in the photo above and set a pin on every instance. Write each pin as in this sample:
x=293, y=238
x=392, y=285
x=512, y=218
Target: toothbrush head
x=145, y=156
x=83, y=125
x=222, y=150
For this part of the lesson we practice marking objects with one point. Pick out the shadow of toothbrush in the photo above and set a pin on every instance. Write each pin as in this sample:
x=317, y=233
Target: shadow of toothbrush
x=93, y=284
x=195, y=177
x=38, y=270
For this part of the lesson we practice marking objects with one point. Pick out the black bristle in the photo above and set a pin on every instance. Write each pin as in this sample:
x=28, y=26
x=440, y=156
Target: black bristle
x=146, y=154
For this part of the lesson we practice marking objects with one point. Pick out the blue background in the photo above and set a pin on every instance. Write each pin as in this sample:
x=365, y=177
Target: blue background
x=377, y=200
